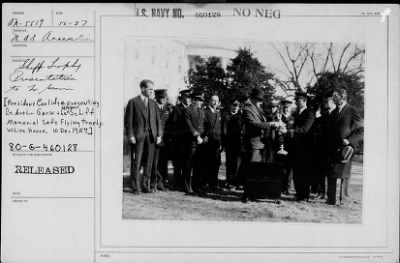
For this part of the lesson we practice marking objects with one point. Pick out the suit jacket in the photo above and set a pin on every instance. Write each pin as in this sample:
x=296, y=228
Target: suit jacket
x=255, y=124
x=302, y=140
x=320, y=135
x=138, y=118
x=194, y=119
x=212, y=126
x=344, y=125
x=164, y=116
x=232, y=128
x=177, y=122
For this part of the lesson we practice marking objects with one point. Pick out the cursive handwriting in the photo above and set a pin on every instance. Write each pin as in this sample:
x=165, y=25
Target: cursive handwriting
x=18, y=75
x=34, y=66
x=52, y=87
x=67, y=65
x=50, y=36
x=36, y=88
x=37, y=75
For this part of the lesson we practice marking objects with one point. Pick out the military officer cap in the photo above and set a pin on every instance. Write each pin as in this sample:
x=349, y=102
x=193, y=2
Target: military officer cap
x=274, y=103
x=327, y=95
x=286, y=101
x=161, y=93
x=198, y=96
x=301, y=94
x=185, y=92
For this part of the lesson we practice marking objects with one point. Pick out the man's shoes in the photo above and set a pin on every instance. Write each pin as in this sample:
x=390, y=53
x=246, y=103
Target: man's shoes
x=189, y=192
x=146, y=190
x=239, y=187
x=200, y=191
x=162, y=188
x=300, y=199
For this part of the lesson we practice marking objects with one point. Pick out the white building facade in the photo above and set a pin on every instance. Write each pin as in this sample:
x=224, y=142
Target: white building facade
x=165, y=61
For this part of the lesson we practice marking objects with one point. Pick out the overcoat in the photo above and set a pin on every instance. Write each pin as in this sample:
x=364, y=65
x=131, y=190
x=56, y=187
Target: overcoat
x=256, y=126
x=344, y=125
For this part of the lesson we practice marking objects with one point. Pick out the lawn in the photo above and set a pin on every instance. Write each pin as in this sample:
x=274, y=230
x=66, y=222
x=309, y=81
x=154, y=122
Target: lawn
x=227, y=205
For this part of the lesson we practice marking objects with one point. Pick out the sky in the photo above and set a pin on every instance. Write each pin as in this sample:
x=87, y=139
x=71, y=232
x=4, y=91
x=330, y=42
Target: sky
x=269, y=57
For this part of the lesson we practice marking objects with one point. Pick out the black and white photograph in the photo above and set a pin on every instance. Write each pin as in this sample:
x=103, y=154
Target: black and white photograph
x=228, y=130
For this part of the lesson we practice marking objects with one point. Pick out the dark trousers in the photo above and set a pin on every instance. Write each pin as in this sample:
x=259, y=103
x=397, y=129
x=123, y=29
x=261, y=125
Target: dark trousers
x=287, y=177
x=156, y=178
x=322, y=179
x=241, y=173
x=178, y=161
x=302, y=178
x=251, y=156
x=190, y=164
x=332, y=186
x=142, y=153
x=233, y=161
x=210, y=162
x=322, y=184
x=163, y=163
x=318, y=176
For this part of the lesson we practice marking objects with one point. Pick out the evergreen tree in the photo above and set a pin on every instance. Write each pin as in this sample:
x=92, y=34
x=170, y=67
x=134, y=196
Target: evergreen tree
x=246, y=72
x=352, y=83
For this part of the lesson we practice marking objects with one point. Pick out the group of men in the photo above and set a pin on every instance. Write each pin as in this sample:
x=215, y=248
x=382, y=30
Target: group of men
x=193, y=135
x=187, y=134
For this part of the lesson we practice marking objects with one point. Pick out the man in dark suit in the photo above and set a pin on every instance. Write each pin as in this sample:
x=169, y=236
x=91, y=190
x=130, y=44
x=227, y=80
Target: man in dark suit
x=345, y=129
x=211, y=156
x=232, y=126
x=300, y=153
x=160, y=160
x=194, y=118
x=320, y=140
x=178, y=132
x=144, y=132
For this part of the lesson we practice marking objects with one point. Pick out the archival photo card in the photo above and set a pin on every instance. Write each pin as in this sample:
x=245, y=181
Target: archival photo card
x=200, y=132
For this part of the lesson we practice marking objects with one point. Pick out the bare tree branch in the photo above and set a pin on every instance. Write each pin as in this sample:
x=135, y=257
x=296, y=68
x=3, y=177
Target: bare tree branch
x=283, y=59
x=332, y=60
x=341, y=55
x=303, y=62
x=355, y=55
x=327, y=57
x=292, y=62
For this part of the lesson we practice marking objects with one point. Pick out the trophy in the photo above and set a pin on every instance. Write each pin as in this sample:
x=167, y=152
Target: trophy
x=281, y=132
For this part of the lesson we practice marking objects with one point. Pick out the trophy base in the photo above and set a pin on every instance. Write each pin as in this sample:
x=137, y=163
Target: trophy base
x=282, y=152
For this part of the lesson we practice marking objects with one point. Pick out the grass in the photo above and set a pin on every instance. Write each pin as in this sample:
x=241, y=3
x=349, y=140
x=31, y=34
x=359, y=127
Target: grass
x=227, y=206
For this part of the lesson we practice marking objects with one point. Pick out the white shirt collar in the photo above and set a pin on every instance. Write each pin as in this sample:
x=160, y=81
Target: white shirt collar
x=143, y=97
x=330, y=110
x=212, y=109
x=342, y=106
x=301, y=110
